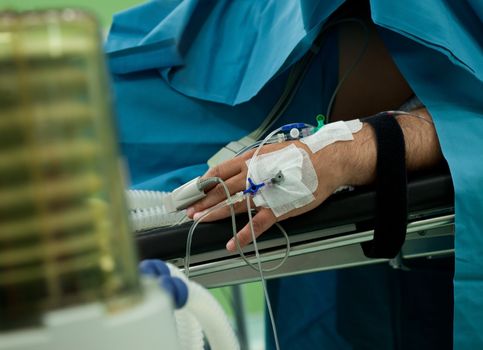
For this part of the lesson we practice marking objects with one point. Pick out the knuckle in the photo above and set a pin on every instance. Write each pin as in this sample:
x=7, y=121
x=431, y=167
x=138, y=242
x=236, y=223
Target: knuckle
x=244, y=167
x=214, y=172
x=244, y=238
x=209, y=173
x=215, y=215
x=247, y=155
x=224, y=212
x=217, y=171
x=257, y=227
x=199, y=206
x=219, y=191
x=238, y=207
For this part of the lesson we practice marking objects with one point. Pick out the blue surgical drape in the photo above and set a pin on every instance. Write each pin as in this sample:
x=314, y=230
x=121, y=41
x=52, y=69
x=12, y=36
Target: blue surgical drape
x=190, y=76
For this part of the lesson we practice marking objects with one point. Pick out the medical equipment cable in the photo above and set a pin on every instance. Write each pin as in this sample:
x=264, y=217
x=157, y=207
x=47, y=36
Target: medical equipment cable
x=230, y=202
x=397, y=113
x=191, y=232
x=294, y=81
x=256, y=144
x=353, y=65
x=262, y=277
x=279, y=138
x=285, y=101
x=303, y=66
x=254, y=240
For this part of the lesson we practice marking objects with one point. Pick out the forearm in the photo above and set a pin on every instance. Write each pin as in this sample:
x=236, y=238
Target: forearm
x=422, y=145
x=359, y=158
x=341, y=163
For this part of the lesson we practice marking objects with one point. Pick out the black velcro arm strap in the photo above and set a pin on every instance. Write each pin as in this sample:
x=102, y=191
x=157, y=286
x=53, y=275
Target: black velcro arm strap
x=391, y=189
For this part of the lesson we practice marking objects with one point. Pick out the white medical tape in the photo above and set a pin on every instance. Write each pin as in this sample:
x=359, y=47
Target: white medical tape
x=298, y=184
x=333, y=132
x=355, y=125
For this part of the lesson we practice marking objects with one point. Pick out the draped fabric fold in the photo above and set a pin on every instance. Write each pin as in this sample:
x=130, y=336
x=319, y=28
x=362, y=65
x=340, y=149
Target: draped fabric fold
x=440, y=53
x=215, y=50
x=162, y=53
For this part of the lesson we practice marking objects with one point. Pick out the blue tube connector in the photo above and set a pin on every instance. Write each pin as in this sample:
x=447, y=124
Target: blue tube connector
x=253, y=188
x=175, y=286
x=288, y=127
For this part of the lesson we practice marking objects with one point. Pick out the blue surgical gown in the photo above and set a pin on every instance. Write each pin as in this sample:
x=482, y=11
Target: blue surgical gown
x=190, y=76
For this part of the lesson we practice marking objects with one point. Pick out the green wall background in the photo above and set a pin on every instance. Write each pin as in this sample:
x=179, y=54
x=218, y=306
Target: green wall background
x=104, y=9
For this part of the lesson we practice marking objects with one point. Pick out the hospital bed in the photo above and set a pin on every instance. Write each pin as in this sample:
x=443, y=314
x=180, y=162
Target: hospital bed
x=327, y=237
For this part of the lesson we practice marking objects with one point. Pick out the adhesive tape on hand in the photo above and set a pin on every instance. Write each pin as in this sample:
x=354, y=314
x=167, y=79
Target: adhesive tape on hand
x=330, y=133
x=300, y=179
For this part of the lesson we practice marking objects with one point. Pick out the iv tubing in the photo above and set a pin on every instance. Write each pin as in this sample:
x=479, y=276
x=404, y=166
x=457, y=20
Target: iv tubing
x=254, y=239
x=229, y=202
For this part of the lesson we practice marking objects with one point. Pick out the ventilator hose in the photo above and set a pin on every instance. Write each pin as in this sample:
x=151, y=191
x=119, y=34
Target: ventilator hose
x=190, y=333
x=138, y=199
x=145, y=219
x=211, y=317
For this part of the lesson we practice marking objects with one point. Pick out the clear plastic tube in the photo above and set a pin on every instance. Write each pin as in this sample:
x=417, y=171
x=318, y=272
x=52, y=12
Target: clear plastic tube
x=229, y=202
x=250, y=164
x=409, y=114
x=262, y=277
x=276, y=139
x=254, y=239
x=193, y=228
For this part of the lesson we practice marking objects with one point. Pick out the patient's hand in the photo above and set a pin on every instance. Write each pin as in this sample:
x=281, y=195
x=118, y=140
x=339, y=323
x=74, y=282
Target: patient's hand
x=342, y=163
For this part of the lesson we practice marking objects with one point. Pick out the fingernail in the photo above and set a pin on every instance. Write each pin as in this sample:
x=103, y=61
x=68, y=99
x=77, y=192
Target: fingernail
x=197, y=215
x=230, y=246
x=190, y=211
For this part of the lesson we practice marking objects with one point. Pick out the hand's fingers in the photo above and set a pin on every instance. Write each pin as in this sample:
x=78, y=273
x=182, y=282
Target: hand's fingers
x=262, y=221
x=217, y=194
x=226, y=169
x=222, y=213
